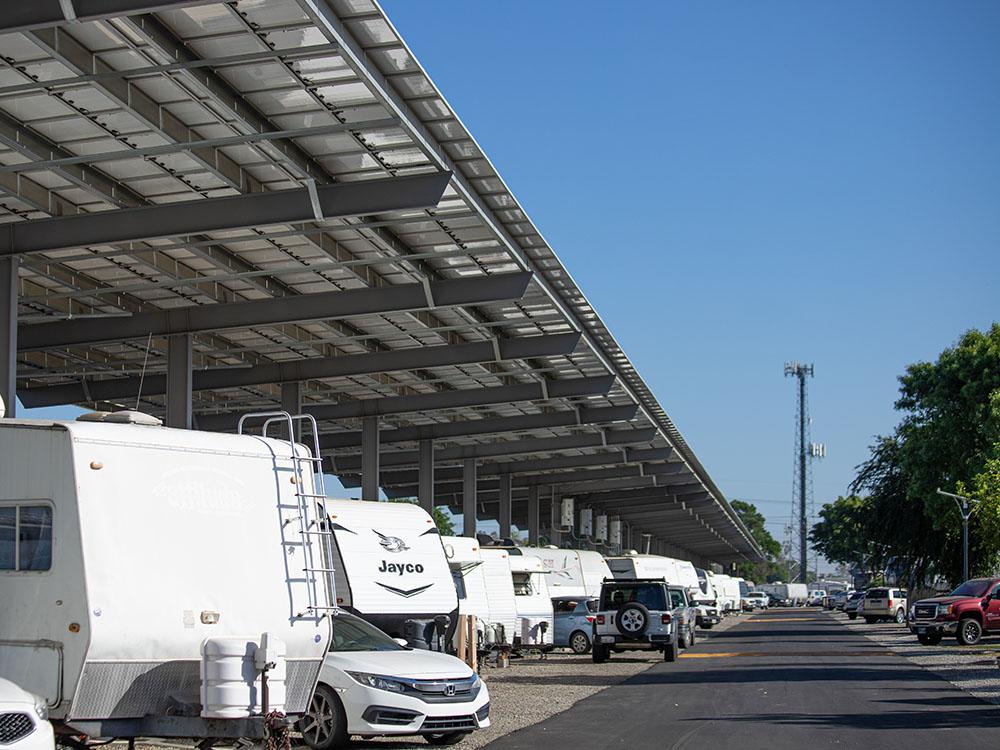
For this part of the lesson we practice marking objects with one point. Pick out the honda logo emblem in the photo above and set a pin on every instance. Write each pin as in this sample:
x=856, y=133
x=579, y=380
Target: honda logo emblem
x=449, y=690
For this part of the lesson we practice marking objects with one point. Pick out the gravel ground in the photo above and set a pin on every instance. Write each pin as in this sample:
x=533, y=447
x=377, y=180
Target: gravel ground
x=973, y=669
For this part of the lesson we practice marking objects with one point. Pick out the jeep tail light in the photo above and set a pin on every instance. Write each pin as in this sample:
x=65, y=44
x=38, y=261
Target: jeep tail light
x=600, y=619
x=665, y=619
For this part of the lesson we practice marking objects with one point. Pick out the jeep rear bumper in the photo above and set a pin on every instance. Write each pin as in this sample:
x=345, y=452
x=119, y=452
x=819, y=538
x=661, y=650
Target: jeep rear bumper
x=654, y=640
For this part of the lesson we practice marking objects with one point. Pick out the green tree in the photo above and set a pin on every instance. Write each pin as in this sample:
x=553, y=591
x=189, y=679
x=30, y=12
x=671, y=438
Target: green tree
x=442, y=520
x=754, y=521
x=947, y=439
x=843, y=534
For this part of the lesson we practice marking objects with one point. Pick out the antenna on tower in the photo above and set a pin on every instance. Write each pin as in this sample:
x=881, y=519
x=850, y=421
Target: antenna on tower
x=804, y=452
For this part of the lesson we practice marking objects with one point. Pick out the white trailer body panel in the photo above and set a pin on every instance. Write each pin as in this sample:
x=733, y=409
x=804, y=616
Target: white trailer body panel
x=469, y=574
x=571, y=572
x=500, y=590
x=392, y=566
x=727, y=592
x=531, y=595
x=161, y=539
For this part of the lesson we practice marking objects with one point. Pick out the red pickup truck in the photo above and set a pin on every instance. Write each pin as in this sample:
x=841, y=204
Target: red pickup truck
x=969, y=612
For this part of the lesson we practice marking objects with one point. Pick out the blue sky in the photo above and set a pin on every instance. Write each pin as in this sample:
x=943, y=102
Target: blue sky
x=737, y=185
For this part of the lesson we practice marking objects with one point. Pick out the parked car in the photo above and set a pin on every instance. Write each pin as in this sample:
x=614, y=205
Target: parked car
x=816, y=598
x=371, y=685
x=759, y=599
x=852, y=604
x=574, y=616
x=837, y=599
x=969, y=612
x=638, y=614
x=883, y=604
x=24, y=718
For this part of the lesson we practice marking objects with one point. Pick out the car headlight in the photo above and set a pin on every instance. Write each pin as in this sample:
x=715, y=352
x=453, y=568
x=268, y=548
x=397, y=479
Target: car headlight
x=41, y=708
x=913, y=612
x=377, y=681
x=950, y=609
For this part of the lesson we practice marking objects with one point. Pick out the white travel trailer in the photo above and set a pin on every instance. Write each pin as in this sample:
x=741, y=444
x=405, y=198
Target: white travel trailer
x=534, y=604
x=392, y=570
x=571, y=572
x=148, y=572
x=677, y=572
x=500, y=591
x=727, y=591
x=468, y=571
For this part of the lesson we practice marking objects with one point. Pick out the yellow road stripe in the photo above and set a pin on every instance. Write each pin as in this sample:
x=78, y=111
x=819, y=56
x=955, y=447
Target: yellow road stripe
x=734, y=654
x=788, y=619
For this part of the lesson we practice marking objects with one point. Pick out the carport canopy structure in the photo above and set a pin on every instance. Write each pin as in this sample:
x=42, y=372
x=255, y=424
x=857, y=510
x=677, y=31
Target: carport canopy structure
x=218, y=208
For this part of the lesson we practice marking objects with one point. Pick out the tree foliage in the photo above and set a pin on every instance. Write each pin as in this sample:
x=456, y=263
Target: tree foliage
x=844, y=534
x=442, y=520
x=947, y=438
x=754, y=521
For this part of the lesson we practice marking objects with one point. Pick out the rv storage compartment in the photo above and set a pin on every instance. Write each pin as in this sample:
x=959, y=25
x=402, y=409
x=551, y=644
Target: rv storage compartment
x=230, y=683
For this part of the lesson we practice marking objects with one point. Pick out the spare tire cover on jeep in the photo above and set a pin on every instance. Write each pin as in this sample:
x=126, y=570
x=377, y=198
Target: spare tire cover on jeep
x=632, y=619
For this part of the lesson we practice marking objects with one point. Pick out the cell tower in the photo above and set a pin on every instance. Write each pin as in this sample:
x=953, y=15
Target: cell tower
x=804, y=452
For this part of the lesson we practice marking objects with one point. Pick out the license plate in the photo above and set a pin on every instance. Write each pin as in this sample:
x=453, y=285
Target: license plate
x=922, y=630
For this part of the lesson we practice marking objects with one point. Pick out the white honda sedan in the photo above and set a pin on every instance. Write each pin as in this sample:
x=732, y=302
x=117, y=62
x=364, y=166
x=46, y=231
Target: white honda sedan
x=372, y=686
x=24, y=718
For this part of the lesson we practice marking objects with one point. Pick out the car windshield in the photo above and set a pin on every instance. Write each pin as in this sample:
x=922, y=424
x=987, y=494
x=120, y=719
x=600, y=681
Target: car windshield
x=354, y=634
x=650, y=595
x=975, y=587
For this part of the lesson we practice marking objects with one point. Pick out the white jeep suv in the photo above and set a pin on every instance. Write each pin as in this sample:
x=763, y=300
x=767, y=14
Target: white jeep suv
x=641, y=614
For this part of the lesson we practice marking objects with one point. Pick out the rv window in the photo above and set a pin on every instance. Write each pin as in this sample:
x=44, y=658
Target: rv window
x=522, y=584
x=26, y=537
x=459, y=583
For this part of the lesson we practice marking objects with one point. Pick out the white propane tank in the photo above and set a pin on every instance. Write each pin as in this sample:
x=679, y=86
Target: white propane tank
x=230, y=683
x=615, y=531
x=601, y=532
x=567, y=513
x=586, y=522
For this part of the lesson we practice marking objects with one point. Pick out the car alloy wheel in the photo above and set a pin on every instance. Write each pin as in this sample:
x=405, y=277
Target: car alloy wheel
x=324, y=725
x=633, y=620
x=969, y=632
x=579, y=642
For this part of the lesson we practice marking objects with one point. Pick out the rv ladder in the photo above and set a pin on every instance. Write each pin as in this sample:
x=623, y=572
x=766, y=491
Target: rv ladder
x=321, y=592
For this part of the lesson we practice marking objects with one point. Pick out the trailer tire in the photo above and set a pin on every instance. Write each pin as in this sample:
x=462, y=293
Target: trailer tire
x=600, y=653
x=448, y=738
x=324, y=727
x=671, y=652
x=579, y=642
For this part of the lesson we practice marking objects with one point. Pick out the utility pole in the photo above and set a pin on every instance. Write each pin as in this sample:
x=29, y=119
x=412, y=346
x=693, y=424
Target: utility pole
x=800, y=371
x=966, y=505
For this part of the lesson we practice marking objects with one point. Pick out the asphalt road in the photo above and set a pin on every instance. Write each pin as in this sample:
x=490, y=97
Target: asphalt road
x=785, y=679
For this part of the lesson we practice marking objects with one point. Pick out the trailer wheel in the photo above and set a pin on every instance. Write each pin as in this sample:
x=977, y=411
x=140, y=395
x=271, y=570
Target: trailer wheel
x=579, y=642
x=324, y=727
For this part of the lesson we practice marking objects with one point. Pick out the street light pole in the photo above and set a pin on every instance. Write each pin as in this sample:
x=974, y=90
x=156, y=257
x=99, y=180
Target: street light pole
x=966, y=505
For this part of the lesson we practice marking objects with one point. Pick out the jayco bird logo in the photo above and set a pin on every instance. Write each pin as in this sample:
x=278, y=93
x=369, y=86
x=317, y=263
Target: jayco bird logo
x=391, y=543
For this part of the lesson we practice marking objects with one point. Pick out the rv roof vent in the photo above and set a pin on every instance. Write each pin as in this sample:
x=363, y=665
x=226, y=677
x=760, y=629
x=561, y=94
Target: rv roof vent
x=128, y=416
x=93, y=416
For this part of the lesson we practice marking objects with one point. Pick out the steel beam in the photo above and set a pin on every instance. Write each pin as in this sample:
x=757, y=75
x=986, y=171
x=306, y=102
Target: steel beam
x=419, y=402
x=505, y=506
x=231, y=212
x=567, y=418
x=179, y=370
x=113, y=389
x=369, y=458
x=8, y=335
x=291, y=309
x=425, y=489
x=38, y=14
x=604, y=438
x=469, y=504
x=533, y=516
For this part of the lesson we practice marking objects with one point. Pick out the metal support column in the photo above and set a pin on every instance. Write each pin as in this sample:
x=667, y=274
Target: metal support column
x=469, y=508
x=291, y=401
x=369, y=458
x=8, y=333
x=179, y=380
x=533, y=515
x=425, y=475
x=505, y=505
